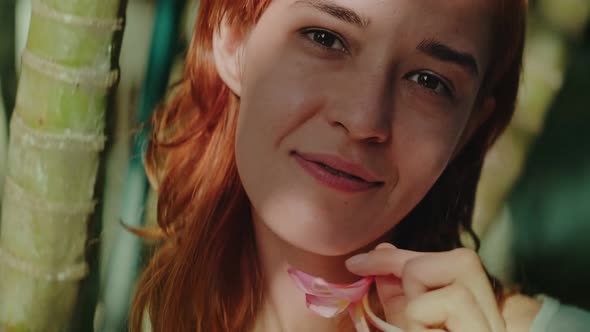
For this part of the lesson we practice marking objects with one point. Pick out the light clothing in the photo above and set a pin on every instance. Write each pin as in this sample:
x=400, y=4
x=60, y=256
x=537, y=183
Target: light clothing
x=553, y=317
x=557, y=317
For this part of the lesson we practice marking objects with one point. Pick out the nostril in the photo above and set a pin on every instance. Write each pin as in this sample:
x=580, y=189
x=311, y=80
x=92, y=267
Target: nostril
x=340, y=124
x=367, y=127
x=376, y=139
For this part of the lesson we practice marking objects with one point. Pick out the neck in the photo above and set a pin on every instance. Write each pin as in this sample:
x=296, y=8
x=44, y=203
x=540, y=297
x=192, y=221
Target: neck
x=284, y=306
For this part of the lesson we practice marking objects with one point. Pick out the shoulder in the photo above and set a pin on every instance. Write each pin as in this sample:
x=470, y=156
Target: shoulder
x=519, y=312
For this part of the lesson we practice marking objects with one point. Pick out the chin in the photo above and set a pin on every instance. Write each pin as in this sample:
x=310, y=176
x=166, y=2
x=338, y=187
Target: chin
x=322, y=246
x=321, y=238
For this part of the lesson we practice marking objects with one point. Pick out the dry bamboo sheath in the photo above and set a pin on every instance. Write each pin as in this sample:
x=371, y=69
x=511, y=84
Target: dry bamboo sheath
x=57, y=134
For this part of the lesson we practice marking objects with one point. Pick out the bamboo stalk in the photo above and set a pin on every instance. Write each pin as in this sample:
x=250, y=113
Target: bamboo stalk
x=125, y=262
x=3, y=143
x=57, y=134
x=7, y=52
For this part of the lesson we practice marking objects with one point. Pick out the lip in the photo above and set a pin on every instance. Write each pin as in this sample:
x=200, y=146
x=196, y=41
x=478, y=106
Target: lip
x=314, y=165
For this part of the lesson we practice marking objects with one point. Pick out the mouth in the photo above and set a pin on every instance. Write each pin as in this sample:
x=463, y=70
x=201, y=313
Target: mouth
x=337, y=173
x=340, y=173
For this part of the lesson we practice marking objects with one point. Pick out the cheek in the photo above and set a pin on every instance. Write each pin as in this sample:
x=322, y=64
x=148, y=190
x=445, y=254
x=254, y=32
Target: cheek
x=426, y=152
x=424, y=164
x=278, y=97
x=421, y=149
x=276, y=100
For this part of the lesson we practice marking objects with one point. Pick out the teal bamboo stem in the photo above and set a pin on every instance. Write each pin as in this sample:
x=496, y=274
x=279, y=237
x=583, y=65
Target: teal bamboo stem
x=125, y=261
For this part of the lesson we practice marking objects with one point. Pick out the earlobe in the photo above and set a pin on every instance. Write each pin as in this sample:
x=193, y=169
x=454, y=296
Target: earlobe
x=227, y=49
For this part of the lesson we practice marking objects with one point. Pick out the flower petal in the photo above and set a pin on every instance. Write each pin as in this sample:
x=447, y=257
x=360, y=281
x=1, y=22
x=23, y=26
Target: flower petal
x=317, y=286
x=353, y=292
x=327, y=307
x=376, y=321
x=310, y=284
x=358, y=317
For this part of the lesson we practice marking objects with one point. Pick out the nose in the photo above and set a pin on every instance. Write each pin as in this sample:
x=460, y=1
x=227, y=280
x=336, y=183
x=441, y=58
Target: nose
x=363, y=110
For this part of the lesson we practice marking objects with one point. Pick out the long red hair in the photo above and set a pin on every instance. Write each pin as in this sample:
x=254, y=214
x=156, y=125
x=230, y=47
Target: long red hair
x=204, y=276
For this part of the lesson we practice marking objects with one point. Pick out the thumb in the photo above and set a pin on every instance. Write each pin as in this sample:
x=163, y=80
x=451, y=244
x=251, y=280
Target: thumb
x=392, y=298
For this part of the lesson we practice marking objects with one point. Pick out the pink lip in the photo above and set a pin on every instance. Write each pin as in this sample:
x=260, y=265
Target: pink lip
x=312, y=164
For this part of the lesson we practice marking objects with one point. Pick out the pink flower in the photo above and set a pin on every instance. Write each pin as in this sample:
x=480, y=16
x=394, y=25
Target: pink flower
x=329, y=300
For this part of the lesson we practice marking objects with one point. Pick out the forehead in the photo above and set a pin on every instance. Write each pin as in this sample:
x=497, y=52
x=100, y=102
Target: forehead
x=463, y=24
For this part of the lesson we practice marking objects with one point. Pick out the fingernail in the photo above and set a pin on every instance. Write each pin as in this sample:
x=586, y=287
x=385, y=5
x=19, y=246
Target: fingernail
x=386, y=245
x=357, y=259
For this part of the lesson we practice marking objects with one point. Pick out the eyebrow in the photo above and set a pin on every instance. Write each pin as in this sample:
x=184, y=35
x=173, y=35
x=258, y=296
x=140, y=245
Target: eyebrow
x=445, y=53
x=342, y=13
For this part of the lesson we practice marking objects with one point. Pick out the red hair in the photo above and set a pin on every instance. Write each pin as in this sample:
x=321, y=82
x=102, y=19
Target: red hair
x=204, y=276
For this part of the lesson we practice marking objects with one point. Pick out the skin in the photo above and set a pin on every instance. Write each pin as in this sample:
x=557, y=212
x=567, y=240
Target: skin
x=357, y=94
x=361, y=106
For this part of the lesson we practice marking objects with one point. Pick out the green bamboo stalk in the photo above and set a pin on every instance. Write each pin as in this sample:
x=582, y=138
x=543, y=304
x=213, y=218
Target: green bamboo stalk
x=3, y=142
x=125, y=261
x=7, y=52
x=57, y=134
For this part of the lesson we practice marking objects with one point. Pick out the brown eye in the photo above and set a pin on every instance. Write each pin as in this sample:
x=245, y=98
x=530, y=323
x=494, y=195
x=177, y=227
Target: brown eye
x=430, y=82
x=325, y=39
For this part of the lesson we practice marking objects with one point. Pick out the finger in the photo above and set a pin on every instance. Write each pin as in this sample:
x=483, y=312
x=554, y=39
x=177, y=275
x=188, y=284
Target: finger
x=385, y=245
x=388, y=287
x=453, y=308
x=423, y=271
x=392, y=298
x=458, y=266
x=382, y=261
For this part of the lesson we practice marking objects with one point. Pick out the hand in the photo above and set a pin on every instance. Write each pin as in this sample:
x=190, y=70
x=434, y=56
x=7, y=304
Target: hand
x=443, y=291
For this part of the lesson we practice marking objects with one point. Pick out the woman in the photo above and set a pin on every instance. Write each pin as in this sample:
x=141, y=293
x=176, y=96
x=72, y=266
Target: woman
x=307, y=132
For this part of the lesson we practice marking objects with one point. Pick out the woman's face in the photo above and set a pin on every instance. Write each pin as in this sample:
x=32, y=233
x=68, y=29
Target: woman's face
x=351, y=109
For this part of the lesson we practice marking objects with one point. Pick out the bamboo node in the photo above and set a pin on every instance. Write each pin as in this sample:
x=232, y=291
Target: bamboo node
x=16, y=193
x=71, y=273
x=69, y=140
x=75, y=76
x=42, y=9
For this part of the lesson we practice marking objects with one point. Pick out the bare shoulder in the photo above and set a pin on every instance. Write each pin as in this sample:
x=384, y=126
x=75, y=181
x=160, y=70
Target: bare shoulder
x=519, y=311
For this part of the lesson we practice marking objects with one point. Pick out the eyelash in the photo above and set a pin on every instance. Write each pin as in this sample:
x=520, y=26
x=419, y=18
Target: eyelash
x=444, y=85
x=327, y=33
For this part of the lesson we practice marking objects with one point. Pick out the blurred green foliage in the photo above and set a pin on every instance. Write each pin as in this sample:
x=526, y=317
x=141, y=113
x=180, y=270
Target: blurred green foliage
x=551, y=200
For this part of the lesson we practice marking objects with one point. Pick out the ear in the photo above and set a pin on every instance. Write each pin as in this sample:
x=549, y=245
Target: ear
x=477, y=118
x=227, y=51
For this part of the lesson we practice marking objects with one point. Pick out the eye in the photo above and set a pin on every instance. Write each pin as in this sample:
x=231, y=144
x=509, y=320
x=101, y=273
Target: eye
x=326, y=39
x=431, y=82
